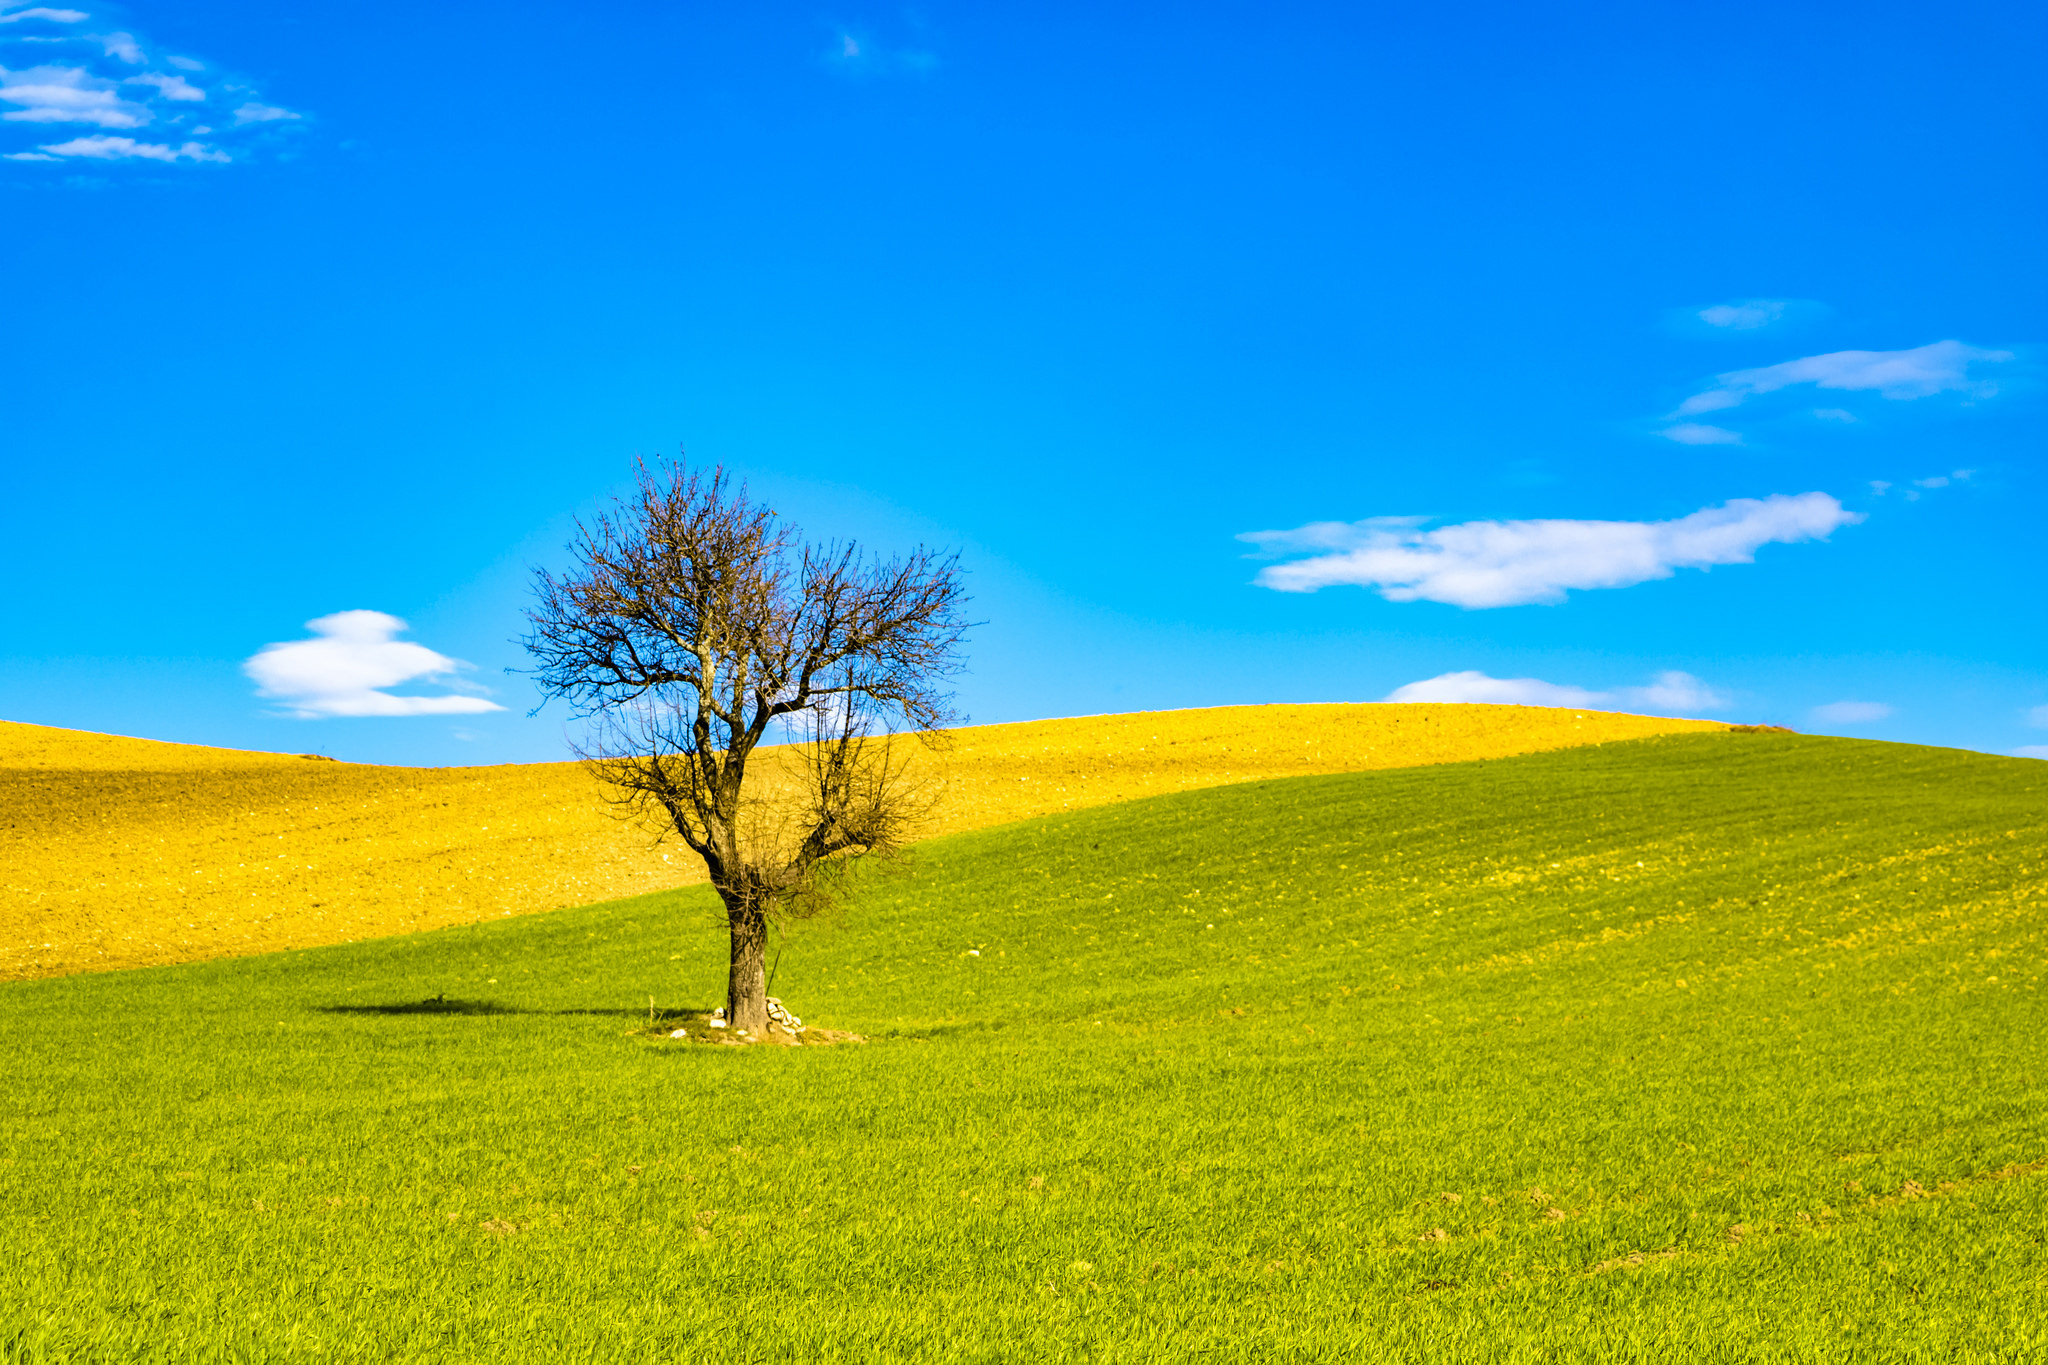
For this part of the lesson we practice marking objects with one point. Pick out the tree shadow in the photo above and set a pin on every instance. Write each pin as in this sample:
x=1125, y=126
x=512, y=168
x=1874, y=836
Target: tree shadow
x=438, y=1005
x=441, y=1004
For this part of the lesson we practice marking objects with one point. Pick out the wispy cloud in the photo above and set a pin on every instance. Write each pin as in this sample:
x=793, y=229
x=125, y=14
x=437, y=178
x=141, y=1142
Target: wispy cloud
x=117, y=80
x=1881, y=486
x=1701, y=434
x=1851, y=712
x=124, y=46
x=122, y=149
x=62, y=94
x=860, y=52
x=2031, y=751
x=2038, y=717
x=263, y=113
x=171, y=87
x=343, y=671
x=1939, y=367
x=1746, y=316
x=1512, y=563
x=1737, y=320
x=1672, y=691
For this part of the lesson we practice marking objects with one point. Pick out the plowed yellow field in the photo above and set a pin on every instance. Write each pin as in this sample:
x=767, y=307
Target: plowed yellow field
x=120, y=852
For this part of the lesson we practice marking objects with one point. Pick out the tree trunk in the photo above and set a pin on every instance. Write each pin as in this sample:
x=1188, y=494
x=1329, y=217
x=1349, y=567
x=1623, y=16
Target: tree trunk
x=746, y=997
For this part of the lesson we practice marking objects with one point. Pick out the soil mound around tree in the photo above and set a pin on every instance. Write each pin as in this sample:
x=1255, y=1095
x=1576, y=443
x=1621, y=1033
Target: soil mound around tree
x=699, y=1027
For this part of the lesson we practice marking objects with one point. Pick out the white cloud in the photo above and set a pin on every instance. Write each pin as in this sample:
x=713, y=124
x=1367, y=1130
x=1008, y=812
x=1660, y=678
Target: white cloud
x=1834, y=414
x=1671, y=692
x=1746, y=316
x=1675, y=691
x=1701, y=434
x=124, y=148
x=343, y=672
x=2031, y=751
x=2038, y=717
x=55, y=16
x=1474, y=686
x=66, y=94
x=1939, y=367
x=1850, y=712
x=1510, y=563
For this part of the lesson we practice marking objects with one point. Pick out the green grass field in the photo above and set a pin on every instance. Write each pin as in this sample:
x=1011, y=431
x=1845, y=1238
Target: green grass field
x=1710, y=1047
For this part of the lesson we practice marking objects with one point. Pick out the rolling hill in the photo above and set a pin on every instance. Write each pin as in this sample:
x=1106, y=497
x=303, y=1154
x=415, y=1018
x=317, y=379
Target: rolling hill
x=1715, y=1047
x=120, y=852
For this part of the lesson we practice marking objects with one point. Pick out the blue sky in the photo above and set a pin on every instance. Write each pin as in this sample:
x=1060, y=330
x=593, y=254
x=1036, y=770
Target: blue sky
x=1672, y=358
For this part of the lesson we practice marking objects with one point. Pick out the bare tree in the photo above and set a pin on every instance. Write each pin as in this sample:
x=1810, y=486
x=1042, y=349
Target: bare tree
x=691, y=624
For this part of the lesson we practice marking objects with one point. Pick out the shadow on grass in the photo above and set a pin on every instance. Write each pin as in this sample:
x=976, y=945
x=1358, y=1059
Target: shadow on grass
x=443, y=1005
x=438, y=1005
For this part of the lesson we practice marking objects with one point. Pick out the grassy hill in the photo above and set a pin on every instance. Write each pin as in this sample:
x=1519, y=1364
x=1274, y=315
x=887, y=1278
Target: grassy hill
x=120, y=852
x=1704, y=1047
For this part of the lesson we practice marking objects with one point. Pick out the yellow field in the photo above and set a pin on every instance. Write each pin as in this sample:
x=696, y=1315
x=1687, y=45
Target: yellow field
x=126, y=852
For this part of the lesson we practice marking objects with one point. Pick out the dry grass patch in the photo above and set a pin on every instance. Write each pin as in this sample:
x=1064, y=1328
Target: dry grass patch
x=139, y=853
x=119, y=852
x=998, y=773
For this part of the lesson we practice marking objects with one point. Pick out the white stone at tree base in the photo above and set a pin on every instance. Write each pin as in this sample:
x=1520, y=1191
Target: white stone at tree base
x=777, y=1014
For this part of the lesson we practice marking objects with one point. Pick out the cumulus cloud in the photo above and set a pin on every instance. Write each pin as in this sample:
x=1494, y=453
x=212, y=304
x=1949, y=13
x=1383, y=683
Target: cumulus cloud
x=1939, y=367
x=1746, y=316
x=116, y=81
x=1511, y=563
x=343, y=671
x=1701, y=434
x=1672, y=691
x=1851, y=712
